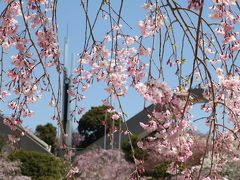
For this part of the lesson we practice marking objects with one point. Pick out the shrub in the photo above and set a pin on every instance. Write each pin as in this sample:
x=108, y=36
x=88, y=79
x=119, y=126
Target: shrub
x=159, y=171
x=2, y=142
x=10, y=170
x=39, y=165
x=139, y=154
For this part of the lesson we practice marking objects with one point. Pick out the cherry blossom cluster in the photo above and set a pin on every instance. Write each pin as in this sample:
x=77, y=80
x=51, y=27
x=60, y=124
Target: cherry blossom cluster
x=23, y=81
x=103, y=164
x=153, y=22
x=167, y=123
x=227, y=94
x=221, y=169
x=225, y=130
x=29, y=35
x=195, y=4
x=9, y=25
x=223, y=11
x=119, y=69
x=48, y=43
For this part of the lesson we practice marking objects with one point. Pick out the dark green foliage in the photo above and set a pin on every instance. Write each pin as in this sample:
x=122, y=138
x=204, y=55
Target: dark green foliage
x=2, y=142
x=91, y=125
x=47, y=133
x=159, y=171
x=40, y=165
x=138, y=152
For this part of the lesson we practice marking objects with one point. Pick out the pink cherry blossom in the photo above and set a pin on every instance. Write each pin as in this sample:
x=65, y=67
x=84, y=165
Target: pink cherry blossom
x=115, y=116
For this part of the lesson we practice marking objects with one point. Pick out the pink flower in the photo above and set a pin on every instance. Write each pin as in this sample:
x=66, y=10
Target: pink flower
x=229, y=39
x=144, y=51
x=52, y=103
x=142, y=26
x=115, y=116
x=148, y=5
x=130, y=40
x=12, y=105
x=27, y=113
x=13, y=139
x=116, y=27
x=5, y=46
x=236, y=46
x=18, y=61
x=226, y=2
x=206, y=178
x=150, y=127
x=140, y=144
x=5, y=93
x=21, y=44
x=224, y=56
x=71, y=93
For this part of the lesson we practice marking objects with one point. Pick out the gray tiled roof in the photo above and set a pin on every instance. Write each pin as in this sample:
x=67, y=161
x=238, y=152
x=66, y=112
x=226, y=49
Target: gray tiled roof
x=27, y=142
x=133, y=126
x=133, y=123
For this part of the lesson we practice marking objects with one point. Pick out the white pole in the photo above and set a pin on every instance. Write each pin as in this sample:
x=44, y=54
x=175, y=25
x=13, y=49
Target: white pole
x=105, y=131
x=120, y=135
x=113, y=128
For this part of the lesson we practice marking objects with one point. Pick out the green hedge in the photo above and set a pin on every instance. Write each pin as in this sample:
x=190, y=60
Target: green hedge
x=2, y=142
x=159, y=171
x=139, y=153
x=40, y=166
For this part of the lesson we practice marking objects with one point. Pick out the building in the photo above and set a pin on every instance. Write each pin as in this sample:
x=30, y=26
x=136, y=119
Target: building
x=133, y=124
x=28, y=141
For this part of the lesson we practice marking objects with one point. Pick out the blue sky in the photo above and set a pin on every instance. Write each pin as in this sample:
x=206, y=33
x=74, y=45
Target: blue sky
x=73, y=19
x=70, y=15
x=133, y=11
